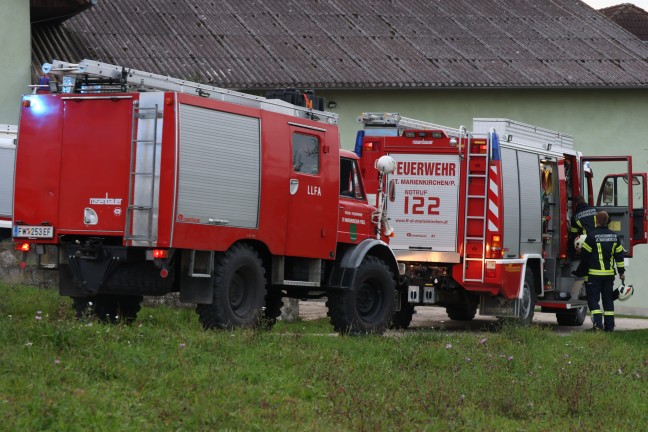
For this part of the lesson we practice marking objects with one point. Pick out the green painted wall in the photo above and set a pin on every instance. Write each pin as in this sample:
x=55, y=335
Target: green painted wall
x=15, y=57
x=602, y=122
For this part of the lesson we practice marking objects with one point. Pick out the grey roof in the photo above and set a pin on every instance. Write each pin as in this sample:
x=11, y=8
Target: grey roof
x=630, y=17
x=255, y=44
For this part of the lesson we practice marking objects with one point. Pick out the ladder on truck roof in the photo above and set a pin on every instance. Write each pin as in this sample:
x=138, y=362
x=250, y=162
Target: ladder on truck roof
x=137, y=80
x=378, y=119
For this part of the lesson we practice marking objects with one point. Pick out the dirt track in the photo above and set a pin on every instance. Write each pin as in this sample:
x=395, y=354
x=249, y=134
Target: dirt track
x=429, y=317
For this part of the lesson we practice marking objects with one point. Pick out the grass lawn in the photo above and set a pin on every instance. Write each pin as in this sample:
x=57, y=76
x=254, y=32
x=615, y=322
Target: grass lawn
x=165, y=373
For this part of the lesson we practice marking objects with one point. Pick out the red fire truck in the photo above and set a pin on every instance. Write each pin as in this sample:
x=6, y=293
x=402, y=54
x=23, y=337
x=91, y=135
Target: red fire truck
x=139, y=184
x=481, y=219
x=7, y=160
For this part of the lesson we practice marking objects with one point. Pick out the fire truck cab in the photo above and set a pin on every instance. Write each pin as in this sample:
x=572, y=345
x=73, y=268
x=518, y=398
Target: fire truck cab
x=481, y=218
x=134, y=184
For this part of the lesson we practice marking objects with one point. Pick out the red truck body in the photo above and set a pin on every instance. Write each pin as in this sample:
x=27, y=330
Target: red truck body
x=146, y=192
x=483, y=222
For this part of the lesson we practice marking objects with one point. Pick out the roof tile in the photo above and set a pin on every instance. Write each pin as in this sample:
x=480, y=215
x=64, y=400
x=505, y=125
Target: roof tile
x=253, y=44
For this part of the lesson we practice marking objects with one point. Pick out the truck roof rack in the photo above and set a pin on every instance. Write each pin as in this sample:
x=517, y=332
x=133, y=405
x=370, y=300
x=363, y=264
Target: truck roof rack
x=379, y=119
x=100, y=76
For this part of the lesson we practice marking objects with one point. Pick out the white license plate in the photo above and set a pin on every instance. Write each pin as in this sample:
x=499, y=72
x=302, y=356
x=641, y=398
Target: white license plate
x=33, y=231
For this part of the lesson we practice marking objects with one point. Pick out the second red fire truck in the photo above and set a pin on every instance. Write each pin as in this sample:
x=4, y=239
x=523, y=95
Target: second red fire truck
x=481, y=218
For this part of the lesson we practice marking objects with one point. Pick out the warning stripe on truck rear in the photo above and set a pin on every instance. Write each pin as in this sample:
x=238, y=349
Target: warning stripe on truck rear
x=493, y=198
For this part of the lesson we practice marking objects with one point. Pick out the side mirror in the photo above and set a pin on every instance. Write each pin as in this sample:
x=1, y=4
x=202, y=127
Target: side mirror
x=635, y=180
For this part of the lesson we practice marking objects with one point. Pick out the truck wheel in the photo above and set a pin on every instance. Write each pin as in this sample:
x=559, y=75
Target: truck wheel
x=81, y=307
x=463, y=312
x=239, y=290
x=368, y=307
x=572, y=317
x=402, y=318
x=128, y=306
x=114, y=308
x=105, y=308
x=528, y=300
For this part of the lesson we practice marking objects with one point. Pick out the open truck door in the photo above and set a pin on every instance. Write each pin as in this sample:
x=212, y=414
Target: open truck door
x=625, y=201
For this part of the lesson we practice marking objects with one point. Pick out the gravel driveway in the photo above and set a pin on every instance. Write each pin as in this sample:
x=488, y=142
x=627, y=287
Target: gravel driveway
x=429, y=317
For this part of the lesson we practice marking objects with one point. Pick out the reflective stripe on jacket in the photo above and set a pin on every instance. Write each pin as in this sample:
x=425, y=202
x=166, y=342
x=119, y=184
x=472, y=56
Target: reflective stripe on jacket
x=601, y=251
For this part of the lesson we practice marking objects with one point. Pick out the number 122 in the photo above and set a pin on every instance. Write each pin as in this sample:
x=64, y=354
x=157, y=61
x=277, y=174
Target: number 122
x=418, y=204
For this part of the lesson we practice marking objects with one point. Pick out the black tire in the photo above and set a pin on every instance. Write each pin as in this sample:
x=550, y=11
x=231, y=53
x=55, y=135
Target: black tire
x=462, y=312
x=116, y=308
x=128, y=306
x=105, y=308
x=528, y=301
x=81, y=307
x=239, y=290
x=572, y=317
x=402, y=318
x=368, y=307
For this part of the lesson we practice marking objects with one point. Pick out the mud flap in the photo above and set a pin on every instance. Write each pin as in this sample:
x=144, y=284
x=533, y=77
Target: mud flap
x=196, y=280
x=85, y=273
x=499, y=306
x=196, y=289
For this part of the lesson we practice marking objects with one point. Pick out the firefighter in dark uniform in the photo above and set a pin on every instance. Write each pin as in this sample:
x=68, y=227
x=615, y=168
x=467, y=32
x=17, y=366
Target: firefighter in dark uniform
x=600, y=252
x=582, y=222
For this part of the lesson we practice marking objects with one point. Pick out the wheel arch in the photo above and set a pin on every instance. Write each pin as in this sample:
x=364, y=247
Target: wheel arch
x=370, y=247
x=535, y=265
x=349, y=259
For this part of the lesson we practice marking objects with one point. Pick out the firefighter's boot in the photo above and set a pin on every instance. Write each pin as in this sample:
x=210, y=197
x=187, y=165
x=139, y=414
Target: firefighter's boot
x=608, y=317
x=597, y=319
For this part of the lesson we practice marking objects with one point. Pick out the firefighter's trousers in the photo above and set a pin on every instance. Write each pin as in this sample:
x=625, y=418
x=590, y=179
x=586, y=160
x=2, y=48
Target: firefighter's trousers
x=601, y=288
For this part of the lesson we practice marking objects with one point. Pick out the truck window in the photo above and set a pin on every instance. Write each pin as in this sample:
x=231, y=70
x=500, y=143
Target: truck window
x=305, y=153
x=350, y=185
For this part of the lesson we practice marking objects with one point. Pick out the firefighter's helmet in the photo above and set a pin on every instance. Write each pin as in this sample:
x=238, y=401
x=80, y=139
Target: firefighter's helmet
x=625, y=292
x=578, y=242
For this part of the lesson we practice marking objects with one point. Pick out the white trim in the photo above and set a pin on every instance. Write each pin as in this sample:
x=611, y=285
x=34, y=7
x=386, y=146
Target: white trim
x=493, y=208
x=494, y=188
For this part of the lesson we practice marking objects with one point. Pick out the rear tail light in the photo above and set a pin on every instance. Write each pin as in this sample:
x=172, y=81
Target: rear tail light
x=160, y=253
x=23, y=247
x=495, y=249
